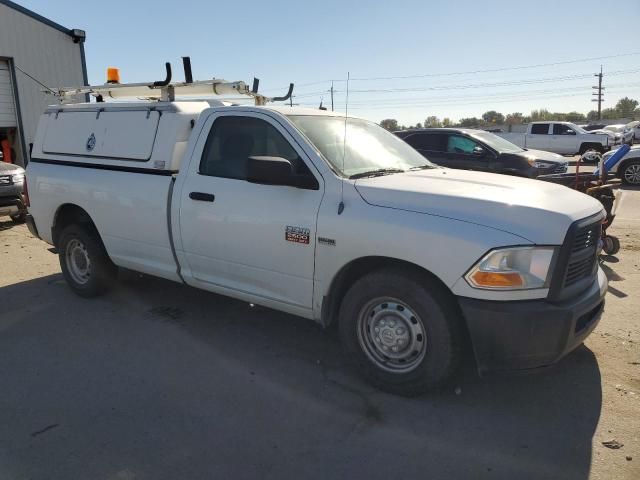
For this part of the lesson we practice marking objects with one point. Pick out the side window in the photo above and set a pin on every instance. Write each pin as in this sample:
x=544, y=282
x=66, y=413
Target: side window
x=560, y=129
x=458, y=144
x=540, y=129
x=232, y=140
x=434, y=142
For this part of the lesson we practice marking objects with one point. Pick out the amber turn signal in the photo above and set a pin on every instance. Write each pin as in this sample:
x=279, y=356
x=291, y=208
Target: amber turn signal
x=497, y=279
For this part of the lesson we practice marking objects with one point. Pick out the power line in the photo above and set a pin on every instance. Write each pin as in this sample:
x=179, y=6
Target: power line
x=467, y=72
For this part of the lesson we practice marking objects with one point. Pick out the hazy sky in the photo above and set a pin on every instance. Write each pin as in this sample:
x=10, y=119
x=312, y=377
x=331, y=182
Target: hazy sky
x=431, y=42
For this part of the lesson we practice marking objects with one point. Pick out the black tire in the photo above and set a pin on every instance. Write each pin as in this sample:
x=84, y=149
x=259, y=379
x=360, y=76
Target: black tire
x=630, y=173
x=435, y=311
x=611, y=245
x=590, y=146
x=20, y=218
x=100, y=270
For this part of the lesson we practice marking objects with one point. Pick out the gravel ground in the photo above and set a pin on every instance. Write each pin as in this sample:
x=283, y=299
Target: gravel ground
x=161, y=381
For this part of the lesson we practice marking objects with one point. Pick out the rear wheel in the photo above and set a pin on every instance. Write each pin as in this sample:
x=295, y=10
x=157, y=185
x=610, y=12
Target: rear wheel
x=85, y=264
x=630, y=173
x=585, y=147
x=402, y=331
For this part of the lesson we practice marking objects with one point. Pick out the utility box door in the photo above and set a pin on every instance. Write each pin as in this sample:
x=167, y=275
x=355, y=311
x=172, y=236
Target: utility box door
x=122, y=135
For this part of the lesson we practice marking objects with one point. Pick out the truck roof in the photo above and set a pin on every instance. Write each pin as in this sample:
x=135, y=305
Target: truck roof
x=188, y=106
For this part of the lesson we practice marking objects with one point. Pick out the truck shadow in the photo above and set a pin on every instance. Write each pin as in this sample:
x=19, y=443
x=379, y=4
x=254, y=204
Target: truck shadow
x=6, y=224
x=158, y=380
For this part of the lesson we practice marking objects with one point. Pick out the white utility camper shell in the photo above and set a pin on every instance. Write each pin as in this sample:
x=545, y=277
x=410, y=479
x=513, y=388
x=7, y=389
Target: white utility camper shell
x=151, y=135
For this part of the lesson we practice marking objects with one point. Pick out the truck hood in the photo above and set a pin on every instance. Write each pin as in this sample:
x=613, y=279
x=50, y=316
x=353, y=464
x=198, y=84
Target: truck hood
x=537, y=211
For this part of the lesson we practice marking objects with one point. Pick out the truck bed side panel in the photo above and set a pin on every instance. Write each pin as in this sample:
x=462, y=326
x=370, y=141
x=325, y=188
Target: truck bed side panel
x=128, y=209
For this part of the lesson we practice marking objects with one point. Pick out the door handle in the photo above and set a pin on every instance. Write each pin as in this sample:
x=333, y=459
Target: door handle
x=203, y=197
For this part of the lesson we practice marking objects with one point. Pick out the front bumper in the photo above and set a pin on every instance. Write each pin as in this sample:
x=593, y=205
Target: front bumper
x=530, y=334
x=12, y=205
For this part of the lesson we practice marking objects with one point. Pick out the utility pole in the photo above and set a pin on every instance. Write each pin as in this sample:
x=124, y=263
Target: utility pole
x=332, y=96
x=599, y=98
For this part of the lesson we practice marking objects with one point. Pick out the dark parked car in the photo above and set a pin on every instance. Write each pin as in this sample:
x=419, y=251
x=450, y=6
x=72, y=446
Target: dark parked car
x=470, y=149
x=11, y=188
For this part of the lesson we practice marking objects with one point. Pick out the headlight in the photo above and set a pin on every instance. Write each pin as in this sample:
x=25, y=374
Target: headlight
x=18, y=178
x=514, y=268
x=540, y=164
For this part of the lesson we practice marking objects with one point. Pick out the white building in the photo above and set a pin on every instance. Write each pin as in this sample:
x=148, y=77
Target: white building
x=33, y=50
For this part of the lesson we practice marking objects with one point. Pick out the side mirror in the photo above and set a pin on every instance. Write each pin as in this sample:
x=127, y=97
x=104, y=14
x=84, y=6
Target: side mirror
x=266, y=170
x=479, y=151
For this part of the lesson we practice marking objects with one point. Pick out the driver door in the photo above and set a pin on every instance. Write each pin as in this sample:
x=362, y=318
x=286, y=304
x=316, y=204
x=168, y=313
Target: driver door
x=465, y=153
x=246, y=237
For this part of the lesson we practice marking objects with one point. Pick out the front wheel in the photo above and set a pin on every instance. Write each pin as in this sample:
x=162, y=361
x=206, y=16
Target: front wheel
x=84, y=262
x=402, y=331
x=631, y=173
x=610, y=245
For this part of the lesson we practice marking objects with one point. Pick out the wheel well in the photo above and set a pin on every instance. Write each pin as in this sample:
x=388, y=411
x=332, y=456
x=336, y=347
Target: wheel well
x=584, y=146
x=69, y=214
x=360, y=267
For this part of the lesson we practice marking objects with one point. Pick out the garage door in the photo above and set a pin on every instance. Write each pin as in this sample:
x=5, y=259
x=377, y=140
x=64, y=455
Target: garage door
x=7, y=107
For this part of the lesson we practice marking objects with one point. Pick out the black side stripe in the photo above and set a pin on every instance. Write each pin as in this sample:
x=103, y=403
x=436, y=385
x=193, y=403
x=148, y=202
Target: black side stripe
x=115, y=168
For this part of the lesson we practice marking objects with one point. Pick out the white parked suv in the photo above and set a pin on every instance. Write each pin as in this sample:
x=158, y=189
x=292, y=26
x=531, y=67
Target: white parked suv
x=627, y=169
x=276, y=206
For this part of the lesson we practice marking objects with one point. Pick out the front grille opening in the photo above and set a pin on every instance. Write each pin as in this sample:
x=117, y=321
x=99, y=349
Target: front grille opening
x=578, y=270
x=585, y=320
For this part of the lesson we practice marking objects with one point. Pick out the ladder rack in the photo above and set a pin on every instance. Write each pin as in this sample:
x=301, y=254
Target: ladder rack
x=164, y=90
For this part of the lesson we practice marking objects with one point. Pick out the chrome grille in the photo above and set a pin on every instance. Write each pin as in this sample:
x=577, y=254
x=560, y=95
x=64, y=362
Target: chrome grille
x=5, y=180
x=562, y=168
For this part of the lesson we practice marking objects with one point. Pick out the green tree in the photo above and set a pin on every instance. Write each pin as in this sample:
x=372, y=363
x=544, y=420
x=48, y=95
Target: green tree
x=514, y=118
x=432, y=122
x=626, y=107
x=418, y=125
x=575, y=117
x=470, y=122
x=542, y=114
x=610, y=114
x=592, y=115
x=493, y=117
x=446, y=122
x=390, y=124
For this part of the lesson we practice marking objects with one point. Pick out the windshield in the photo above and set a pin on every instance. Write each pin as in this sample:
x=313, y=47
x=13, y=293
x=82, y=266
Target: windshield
x=368, y=146
x=499, y=144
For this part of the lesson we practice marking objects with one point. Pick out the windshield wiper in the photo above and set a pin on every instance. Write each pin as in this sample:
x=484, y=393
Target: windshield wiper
x=377, y=173
x=423, y=167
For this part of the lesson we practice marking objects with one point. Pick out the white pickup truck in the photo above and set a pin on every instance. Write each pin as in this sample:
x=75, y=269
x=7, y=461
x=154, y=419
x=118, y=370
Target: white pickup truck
x=564, y=138
x=325, y=217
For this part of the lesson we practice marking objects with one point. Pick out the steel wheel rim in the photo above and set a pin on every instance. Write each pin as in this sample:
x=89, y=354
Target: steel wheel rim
x=78, y=262
x=392, y=335
x=632, y=173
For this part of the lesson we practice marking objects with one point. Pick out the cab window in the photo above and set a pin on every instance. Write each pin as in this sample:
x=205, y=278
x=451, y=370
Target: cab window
x=540, y=129
x=560, y=129
x=459, y=144
x=433, y=142
x=233, y=139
